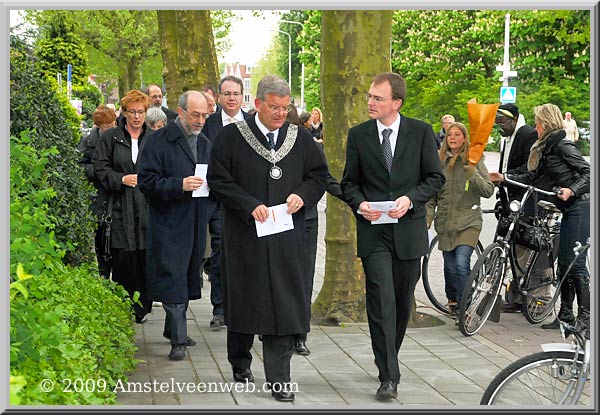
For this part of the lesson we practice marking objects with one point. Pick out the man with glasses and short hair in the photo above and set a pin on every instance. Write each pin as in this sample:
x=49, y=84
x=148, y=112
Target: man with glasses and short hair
x=390, y=158
x=177, y=221
x=155, y=93
x=231, y=92
x=255, y=165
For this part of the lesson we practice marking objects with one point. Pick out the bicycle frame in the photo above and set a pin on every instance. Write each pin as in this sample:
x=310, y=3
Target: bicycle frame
x=579, y=347
x=508, y=243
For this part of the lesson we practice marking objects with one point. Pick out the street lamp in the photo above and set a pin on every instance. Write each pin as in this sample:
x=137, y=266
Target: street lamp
x=289, y=56
x=302, y=85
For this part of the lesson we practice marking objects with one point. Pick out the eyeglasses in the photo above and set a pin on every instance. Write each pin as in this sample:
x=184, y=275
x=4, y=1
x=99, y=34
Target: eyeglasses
x=285, y=109
x=376, y=98
x=197, y=115
x=229, y=94
x=133, y=113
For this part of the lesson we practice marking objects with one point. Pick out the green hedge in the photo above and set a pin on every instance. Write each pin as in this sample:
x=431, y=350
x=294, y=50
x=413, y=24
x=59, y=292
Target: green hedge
x=65, y=323
x=36, y=106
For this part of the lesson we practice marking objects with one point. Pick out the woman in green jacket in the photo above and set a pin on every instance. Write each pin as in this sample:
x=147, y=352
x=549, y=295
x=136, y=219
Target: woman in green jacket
x=457, y=211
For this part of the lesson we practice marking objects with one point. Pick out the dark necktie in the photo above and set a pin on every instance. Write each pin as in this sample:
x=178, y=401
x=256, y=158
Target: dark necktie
x=271, y=137
x=387, y=148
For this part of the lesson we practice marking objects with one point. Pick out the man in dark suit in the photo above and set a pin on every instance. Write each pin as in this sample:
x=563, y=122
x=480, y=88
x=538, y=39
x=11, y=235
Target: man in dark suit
x=231, y=93
x=155, y=93
x=390, y=158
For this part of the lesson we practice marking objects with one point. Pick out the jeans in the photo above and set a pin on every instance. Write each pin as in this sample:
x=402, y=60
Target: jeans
x=457, y=266
x=574, y=226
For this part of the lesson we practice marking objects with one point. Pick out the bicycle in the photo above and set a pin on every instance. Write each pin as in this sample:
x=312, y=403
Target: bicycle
x=482, y=288
x=556, y=376
x=434, y=282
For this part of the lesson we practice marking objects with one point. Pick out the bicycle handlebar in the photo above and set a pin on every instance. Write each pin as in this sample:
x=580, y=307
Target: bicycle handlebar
x=527, y=186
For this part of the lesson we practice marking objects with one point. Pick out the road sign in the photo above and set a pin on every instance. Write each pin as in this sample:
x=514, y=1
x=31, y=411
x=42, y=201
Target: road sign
x=508, y=94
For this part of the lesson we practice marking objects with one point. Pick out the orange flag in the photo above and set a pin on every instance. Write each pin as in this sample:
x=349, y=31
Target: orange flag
x=481, y=121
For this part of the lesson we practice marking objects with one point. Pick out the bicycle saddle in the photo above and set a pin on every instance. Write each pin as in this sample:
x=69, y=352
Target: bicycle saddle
x=548, y=206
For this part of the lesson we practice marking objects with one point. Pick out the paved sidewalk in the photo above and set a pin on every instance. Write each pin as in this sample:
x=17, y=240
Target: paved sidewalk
x=440, y=367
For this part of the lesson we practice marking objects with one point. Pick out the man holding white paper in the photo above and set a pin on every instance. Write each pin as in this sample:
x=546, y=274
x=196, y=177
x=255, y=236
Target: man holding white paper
x=256, y=165
x=170, y=170
x=390, y=158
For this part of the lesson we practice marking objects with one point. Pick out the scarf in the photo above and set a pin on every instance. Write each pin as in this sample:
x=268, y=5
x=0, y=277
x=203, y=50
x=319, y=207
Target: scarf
x=536, y=151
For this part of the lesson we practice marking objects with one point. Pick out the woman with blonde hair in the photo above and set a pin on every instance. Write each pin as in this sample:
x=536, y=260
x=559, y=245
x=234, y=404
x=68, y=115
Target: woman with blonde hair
x=556, y=163
x=456, y=210
x=316, y=126
x=115, y=164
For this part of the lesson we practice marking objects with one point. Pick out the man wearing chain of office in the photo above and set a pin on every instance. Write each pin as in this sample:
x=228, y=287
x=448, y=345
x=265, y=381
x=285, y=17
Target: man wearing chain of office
x=257, y=164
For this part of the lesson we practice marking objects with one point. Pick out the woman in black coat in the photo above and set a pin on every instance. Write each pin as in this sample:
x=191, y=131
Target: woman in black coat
x=115, y=164
x=104, y=118
x=557, y=163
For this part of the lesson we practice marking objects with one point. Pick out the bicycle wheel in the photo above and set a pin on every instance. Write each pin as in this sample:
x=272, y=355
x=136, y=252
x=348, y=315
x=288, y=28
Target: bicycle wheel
x=481, y=290
x=544, y=378
x=432, y=272
x=540, y=292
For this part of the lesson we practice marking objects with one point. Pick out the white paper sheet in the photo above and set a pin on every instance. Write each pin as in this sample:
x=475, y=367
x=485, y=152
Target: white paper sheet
x=384, y=207
x=203, y=190
x=278, y=221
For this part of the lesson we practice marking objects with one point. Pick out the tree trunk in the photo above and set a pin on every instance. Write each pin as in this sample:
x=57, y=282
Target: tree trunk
x=355, y=46
x=188, y=51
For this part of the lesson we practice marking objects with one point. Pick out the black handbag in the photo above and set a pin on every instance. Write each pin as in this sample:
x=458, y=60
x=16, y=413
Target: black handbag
x=532, y=237
x=106, y=229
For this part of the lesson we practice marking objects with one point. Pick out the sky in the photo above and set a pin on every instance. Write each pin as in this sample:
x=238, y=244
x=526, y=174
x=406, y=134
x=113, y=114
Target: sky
x=251, y=36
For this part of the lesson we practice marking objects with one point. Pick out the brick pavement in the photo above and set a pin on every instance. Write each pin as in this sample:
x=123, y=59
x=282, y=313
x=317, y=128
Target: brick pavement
x=440, y=367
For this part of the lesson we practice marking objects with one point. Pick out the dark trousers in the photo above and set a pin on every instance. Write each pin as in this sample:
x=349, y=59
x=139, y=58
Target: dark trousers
x=390, y=286
x=104, y=267
x=175, y=322
x=277, y=354
x=212, y=265
x=575, y=226
x=129, y=270
x=310, y=247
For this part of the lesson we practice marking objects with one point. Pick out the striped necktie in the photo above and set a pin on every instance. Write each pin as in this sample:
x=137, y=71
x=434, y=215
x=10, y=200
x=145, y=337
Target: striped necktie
x=386, y=147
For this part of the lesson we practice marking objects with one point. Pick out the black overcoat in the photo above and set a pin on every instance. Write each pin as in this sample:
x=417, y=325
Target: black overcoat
x=176, y=222
x=263, y=278
x=111, y=161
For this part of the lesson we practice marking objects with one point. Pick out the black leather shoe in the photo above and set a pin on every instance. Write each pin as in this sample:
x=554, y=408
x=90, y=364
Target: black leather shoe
x=511, y=308
x=387, y=390
x=188, y=340
x=551, y=326
x=243, y=376
x=141, y=319
x=302, y=348
x=283, y=396
x=217, y=322
x=177, y=352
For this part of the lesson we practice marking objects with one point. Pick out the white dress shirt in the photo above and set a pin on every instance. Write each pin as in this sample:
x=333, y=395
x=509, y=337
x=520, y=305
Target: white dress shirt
x=395, y=126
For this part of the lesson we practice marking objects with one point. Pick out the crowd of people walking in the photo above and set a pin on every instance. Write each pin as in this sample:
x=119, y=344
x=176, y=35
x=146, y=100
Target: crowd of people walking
x=169, y=179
